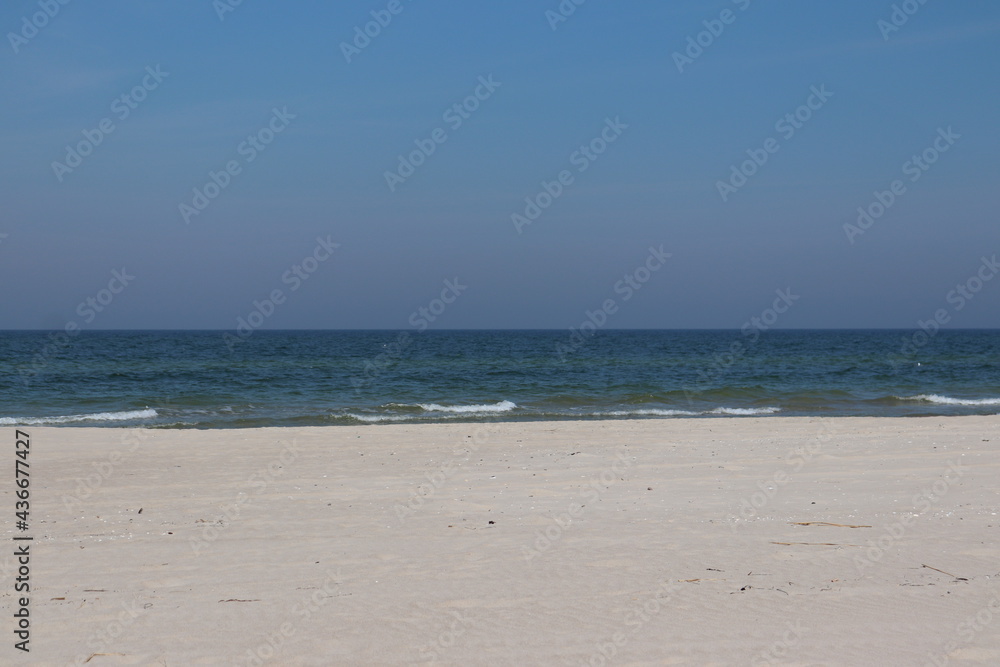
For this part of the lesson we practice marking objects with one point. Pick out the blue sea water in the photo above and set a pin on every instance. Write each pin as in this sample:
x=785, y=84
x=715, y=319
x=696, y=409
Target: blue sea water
x=203, y=379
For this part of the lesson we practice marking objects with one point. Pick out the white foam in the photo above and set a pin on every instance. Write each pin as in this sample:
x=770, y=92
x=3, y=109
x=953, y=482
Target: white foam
x=657, y=412
x=650, y=412
x=744, y=411
x=375, y=419
x=449, y=412
x=148, y=413
x=459, y=411
x=948, y=400
x=502, y=406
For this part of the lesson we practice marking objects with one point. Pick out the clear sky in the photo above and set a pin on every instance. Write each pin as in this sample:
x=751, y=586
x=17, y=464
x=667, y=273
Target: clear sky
x=115, y=113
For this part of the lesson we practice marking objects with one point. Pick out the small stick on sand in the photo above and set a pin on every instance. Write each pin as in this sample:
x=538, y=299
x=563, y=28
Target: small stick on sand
x=825, y=523
x=943, y=572
x=818, y=544
x=94, y=655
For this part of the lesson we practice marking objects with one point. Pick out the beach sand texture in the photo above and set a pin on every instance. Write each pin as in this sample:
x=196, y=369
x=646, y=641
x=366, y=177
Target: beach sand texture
x=650, y=542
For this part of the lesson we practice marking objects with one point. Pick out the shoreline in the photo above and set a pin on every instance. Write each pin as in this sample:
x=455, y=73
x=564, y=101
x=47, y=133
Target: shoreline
x=500, y=542
x=473, y=421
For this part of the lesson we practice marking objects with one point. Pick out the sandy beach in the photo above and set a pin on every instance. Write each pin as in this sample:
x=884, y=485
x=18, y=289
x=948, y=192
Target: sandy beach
x=726, y=541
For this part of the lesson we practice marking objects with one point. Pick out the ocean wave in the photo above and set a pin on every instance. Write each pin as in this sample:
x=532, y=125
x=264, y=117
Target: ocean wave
x=948, y=400
x=376, y=419
x=434, y=412
x=744, y=411
x=647, y=412
x=401, y=412
x=658, y=412
x=502, y=406
x=148, y=413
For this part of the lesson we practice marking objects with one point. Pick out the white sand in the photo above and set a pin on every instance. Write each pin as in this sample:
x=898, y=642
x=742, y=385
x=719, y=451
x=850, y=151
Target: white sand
x=336, y=558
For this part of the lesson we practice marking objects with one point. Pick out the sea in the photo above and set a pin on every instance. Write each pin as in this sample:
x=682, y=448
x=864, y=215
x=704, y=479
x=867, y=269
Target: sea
x=211, y=379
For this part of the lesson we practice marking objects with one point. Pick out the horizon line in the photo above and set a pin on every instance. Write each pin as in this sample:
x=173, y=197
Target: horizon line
x=443, y=330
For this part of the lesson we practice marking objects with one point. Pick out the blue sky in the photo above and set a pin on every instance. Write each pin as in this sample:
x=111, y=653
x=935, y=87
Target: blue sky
x=323, y=175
